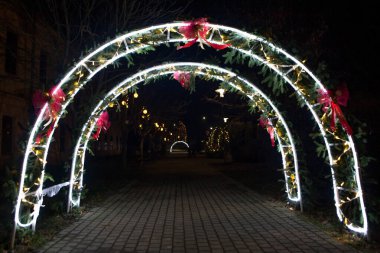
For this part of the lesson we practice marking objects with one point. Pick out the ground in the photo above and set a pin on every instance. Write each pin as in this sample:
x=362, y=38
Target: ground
x=185, y=204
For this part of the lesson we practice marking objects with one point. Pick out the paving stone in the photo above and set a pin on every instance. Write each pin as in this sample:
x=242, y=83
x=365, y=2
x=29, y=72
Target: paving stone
x=210, y=213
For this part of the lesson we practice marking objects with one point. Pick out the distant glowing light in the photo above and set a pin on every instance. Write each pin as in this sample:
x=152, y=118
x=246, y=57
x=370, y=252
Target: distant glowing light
x=221, y=92
x=175, y=143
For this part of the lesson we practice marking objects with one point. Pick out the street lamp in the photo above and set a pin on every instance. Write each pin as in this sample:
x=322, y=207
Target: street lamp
x=221, y=92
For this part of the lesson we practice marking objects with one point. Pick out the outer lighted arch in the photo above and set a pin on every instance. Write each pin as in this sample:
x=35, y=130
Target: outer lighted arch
x=251, y=46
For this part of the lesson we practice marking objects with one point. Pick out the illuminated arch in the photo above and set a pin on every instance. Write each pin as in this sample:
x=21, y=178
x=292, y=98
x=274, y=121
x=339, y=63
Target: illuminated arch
x=286, y=143
x=254, y=48
x=213, y=142
x=176, y=142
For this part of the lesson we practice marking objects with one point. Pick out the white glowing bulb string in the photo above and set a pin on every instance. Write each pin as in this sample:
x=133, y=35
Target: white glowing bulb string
x=166, y=69
x=168, y=27
x=177, y=142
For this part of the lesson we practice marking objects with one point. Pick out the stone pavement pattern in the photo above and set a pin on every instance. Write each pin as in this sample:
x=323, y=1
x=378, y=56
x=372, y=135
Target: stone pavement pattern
x=198, y=210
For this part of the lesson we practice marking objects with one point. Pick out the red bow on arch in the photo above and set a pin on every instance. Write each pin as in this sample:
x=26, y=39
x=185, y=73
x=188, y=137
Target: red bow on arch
x=55, y=97
x=102, y=123
x=184, y=78
x=332, y=99
x=264, y=123
x=197, y=30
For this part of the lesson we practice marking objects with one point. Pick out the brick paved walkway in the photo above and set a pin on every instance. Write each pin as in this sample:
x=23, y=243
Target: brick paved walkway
x=198, y=210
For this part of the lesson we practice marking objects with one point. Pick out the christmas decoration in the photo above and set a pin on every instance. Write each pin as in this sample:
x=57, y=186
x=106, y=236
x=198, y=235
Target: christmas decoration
x=265, y=123
x=207, y=72
x=331, y=99
x=178, y=142
x=102, y=123
x=280, y=71
x=183, y=78
x=217, y=140
x=54, y=99
x=197, y=30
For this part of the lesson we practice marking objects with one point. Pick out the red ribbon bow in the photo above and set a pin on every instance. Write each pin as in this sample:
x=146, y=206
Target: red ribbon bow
x=265, y=123
x=102, y=123
x=332, y=99
x=197, y=30
x=183, y=78
x=55, y=97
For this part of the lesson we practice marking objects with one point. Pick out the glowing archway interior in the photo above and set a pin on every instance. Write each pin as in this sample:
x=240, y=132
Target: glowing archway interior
x=177, y=142
x=286, y=143
x=257, y=50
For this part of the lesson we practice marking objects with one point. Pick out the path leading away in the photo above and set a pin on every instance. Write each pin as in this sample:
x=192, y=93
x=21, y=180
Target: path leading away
x=185, y=205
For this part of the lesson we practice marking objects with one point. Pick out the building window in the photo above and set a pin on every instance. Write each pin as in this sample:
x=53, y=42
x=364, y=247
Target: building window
x=43, y=68
x=6, y=140
x=11, y=53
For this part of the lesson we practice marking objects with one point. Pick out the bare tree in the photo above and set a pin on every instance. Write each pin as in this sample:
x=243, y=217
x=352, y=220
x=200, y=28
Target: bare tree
x=83, y=23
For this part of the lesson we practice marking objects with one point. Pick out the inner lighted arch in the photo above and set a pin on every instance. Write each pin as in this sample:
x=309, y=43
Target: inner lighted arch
x=286, y=149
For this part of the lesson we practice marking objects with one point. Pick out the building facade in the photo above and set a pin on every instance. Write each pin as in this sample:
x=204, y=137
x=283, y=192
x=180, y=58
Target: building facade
x=30, y=53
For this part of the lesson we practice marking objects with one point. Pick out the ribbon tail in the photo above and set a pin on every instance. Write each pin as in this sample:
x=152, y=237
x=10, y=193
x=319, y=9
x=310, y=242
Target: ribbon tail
x=333, y=118
x=217, y=46
x=271, y=134
x=188, y=44
x=50, y=130
x=96, y=135
x=49, y=122
x=343, y=120
x=214, y=45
